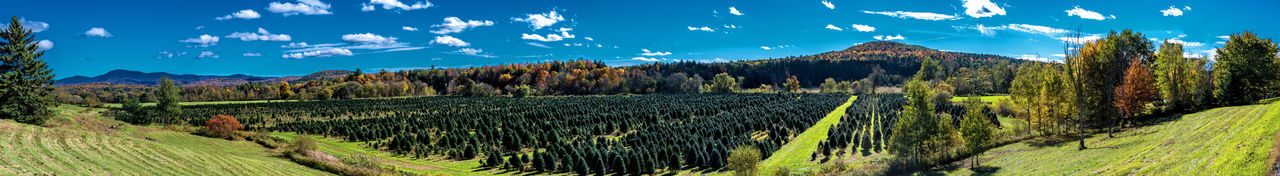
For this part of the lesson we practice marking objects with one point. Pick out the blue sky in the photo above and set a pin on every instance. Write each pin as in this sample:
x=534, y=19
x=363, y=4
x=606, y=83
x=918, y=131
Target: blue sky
x=266, y=37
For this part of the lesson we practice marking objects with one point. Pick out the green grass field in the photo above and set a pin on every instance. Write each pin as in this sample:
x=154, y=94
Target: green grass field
x=116, y=105
x=795, y=154
x=83, y=143
x=1223, y=141
x=991, y=99
x=427, y=166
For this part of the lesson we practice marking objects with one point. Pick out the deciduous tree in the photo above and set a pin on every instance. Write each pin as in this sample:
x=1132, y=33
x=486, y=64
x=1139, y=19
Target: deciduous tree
x=1247, y=69
x=1136, y=91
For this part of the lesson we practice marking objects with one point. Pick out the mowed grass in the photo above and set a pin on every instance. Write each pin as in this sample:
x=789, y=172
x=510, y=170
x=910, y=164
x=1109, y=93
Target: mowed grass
x=1222, y=141
x=427, y=166
x=83, y=143
x=991, y=99
x=796, y=154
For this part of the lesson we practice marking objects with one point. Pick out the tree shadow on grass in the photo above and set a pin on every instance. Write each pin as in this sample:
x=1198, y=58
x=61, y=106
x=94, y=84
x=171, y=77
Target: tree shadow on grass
x=985, y=170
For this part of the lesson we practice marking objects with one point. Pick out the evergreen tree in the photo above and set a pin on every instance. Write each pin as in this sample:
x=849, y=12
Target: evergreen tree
x=24, y=77
x=167, y=104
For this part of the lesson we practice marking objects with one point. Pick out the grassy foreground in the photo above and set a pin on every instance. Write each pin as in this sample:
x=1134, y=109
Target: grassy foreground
x=81, y=142
x=1223, y=141
x=795, y=154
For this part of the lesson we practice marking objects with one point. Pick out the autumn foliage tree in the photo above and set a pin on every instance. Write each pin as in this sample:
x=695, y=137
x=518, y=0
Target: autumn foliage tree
x=223, y=126
x=1137, y=90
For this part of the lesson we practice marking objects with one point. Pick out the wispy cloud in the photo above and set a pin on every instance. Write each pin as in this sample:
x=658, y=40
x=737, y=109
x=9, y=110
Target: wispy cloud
x=885, y=37
x=207, y=54
x=303, y=7
x=704, y=28
x=539, y=45
x=205, y=40
x=407, y=28
x=327, y=52
x=242, y=14
x=473, y=52
x=651, y=53
x=833, y=27
x=394, y=5
x=367, y=38
x=450, y=41
x=262, y=35
x=455, y=25
x=916, y=15
x=1086, y=14
x=828, y=5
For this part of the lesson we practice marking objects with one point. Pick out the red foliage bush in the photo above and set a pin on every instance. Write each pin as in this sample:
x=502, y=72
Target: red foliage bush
x=222, y=126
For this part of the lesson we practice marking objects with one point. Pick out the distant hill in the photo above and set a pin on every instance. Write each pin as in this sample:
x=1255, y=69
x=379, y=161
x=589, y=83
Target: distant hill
x=153, y=78
x=897, y=60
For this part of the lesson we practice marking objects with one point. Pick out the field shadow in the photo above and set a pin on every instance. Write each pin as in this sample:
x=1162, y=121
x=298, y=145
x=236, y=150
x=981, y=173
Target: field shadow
x=985, y=170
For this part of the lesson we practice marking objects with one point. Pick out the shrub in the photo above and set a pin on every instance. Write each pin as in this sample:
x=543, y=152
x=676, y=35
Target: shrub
x=302, y=143
x=782, y=171
x=222, y=126
x=743, y=160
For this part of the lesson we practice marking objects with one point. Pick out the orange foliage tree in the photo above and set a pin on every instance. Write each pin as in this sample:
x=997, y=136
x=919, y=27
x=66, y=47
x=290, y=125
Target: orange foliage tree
x=222, y=126
x=1137, y=90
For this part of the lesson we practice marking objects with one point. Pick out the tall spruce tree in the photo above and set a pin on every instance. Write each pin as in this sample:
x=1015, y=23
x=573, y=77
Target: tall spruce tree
x=24, y=77
x=167, y=104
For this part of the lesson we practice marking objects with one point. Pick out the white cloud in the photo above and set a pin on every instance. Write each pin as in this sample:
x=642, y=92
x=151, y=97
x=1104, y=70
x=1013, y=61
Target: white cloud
x=327, y=52
x=202, y=41
x=1186, y=7
x=449, y=40
x=303, y=7
x=734, y=11
x=1086, y=14
x=455, y=25
x=833, y=27
x=1032, y=57
x=169, y=54
x=367, y=8
x=1185, y=43
x=539, y=45
x=645, y=59
x=1027, y=28
x=538, y=21
x=704, y=28
x=252, y=54
x=199, y=27
x=407, y=28
x=829, y=5
x=1080, y=40
x=97, y=32
x=1059, y=55
x=242, y=14
x=261, y=35
x=393, y=4
x=766, y=48
x=473, y=52
x=564, y=34
x=1172, y=11
x=589, y=38
x=43, y=45
x=207, y=54
x=34, y=26
x=367, y=38
x=982, y=8
x=916, y=15
x=884, y=37
x=650, y=53
x=731, y=26
x=863, y=28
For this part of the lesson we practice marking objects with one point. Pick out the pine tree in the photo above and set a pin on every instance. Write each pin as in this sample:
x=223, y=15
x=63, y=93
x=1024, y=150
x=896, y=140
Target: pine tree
x=24, y=77
x=167, y=104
